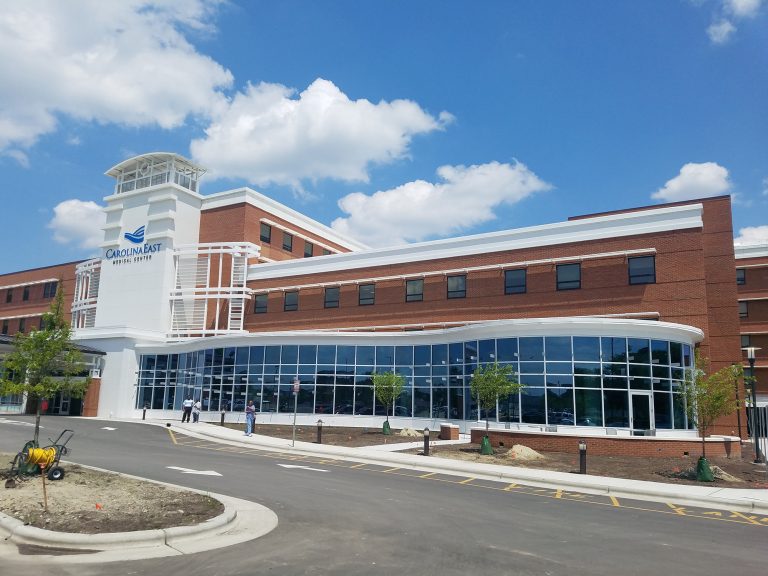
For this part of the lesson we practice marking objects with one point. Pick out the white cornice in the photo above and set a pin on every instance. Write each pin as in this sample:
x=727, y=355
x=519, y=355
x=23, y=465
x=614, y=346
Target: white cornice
x=571, y=326
x=750, y=251
x=283, y=212
x=580, y=230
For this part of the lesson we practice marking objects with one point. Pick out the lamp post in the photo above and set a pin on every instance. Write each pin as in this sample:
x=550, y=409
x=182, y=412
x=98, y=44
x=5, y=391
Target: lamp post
x=738, y=407
x=755, y=432
x=582, y=456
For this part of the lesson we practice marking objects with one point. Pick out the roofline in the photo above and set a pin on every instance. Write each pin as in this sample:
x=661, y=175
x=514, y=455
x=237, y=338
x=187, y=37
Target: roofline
x=649, y=207
x=742, y=251
x=118, y=168
x=75, y=262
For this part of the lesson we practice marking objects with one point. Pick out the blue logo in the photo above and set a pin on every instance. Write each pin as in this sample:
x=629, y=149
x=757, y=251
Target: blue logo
x=137, y=237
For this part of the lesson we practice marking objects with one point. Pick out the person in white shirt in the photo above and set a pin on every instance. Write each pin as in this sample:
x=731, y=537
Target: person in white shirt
x=187, y=409
x=196, y=412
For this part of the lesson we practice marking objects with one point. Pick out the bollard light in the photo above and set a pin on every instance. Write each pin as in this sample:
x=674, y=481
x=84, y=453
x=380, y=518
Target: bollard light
x=144, y=414
x=582, y=456
x=320, y=431
x=426, y=441
x=223, y=413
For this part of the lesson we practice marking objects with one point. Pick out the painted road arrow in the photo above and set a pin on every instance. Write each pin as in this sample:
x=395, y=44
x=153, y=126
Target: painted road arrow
x=302, y=467
x=190, y=471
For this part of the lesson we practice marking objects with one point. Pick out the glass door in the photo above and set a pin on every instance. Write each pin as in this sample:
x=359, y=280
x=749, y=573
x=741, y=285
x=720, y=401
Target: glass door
x=641, y=416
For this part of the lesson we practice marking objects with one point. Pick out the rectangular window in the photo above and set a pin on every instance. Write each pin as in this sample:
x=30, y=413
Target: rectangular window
x=49, y=289
x=326, y=252
x=25, y=294
x=366, y=294
x=568, y=276
x=9, y=296
x=414, y=290
x=746, y=341
x=287, y=241
x=22, y=324
x=741, y=276
x=291, y=301
x=743, y=309
x=457, y=286
x=642, y=270
x=41, y=324
x=5, y=327
x=309, y=248
x=260, y=304
x=332, y=297
x=514, y=281
x=266, y=233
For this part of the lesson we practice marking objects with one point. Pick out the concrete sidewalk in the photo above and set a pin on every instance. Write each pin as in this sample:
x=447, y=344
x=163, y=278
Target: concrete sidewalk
x=734, y=499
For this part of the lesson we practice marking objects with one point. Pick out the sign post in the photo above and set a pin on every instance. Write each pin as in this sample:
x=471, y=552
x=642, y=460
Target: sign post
x=295, y=408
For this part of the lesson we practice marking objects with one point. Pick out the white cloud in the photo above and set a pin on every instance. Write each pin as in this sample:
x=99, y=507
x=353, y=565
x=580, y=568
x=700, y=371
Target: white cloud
x=765, y=186
x=752, y=235
x=21, y=158
x=743, y=8
x=465, y=197
x=268, y=135
x=720, y=32
x=78, y=222
x=125, y=62
x=695, y=181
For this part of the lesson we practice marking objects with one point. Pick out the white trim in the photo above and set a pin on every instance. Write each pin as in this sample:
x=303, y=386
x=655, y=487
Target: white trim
x=750, y=250
x=22, y=316
x=445, y=272
x=753, y=299
x=751, y=266
x=573, y=326
x=281, y=211
x=32, y=283
x=573, y=231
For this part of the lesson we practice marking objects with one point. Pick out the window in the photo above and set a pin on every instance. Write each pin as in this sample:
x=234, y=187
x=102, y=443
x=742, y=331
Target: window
x=568, y=276
x=49, y=289
x=308, y=249
x=287, y=241
x=457, y=286
x=514, y=281
x=743, y=309
x=266, y=233
x=41, y=324
x=291, y=301
x=741, y=276
x=642, y=270
x=260, y=306
x=9, y=296
x=746, y=341
x=5, y=327
x=22, y=324
x=25, y=294
x=326, y=252
x=332, y=297
x=366, y=294
x=414, y=290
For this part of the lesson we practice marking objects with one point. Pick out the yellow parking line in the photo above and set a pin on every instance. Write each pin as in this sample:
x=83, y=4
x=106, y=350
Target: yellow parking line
x=559, y=494
x=467, y=481
x=173, y=436
x=359, y=465
x=429, y=474
x=615, y=501
x=740, y=515
x=391, y=469
x=510, y=487
x=677, y=509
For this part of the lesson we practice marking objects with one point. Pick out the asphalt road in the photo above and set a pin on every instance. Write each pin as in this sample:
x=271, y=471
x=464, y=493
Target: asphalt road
x=345, y=519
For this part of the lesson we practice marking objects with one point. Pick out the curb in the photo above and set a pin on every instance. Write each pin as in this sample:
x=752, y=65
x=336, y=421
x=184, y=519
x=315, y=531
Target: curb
x=241, y=520
x=721, y=498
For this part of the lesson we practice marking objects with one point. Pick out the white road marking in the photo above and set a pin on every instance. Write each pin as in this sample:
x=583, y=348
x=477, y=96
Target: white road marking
x=190, y=471
x=16, y=422
x=108, y=428
x=302, y=467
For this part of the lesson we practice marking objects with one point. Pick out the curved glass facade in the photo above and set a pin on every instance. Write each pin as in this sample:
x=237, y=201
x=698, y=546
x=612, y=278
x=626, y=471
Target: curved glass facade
x=569, y=380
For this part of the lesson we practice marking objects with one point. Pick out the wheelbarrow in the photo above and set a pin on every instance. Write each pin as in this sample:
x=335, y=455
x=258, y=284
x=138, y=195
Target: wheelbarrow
x=32, y=459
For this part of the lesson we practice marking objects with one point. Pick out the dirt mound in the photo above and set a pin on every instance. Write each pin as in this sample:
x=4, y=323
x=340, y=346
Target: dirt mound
x=520, y=452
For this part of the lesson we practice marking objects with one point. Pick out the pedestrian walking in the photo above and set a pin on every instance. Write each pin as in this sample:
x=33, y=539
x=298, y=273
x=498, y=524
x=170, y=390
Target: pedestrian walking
x=186, y=407
x=196, y=412
x=250, y=417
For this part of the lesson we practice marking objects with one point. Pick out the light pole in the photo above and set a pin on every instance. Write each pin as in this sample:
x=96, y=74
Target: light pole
x=738, y=407
x=755, y=432
x=295, y=408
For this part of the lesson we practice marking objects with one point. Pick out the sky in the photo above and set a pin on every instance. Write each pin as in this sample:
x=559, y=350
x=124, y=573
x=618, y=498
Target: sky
x=391, y=121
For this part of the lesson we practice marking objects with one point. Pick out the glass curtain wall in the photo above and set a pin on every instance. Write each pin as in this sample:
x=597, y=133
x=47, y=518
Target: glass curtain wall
x=569, y=380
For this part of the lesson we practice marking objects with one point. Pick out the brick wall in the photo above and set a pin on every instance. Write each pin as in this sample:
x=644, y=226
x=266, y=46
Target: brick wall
x=652, y=447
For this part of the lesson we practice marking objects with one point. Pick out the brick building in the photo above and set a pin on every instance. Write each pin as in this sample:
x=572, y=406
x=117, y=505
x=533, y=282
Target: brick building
x=233, y=297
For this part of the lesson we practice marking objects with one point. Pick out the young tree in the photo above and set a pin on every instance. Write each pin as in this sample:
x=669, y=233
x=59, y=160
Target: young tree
x=45, y=361
x=387, y=386
x=491, y=382
x=707, y=398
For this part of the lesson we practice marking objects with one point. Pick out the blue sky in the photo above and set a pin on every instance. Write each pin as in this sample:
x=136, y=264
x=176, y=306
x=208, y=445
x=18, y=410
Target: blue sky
x=393, y=121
